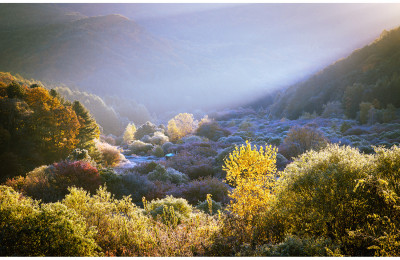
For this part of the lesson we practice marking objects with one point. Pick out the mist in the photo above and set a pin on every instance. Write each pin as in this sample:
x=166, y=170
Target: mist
x=188, y=57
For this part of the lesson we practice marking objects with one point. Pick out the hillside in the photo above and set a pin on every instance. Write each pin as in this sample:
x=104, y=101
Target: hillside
x=370, y=74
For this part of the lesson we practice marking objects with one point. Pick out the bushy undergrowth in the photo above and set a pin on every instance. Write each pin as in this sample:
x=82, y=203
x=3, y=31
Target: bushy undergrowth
x=50, y=183
x=27, y=229
x=197, y=190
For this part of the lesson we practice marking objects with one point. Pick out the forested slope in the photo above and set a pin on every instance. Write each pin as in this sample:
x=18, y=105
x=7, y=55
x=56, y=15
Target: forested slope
x=370, y=74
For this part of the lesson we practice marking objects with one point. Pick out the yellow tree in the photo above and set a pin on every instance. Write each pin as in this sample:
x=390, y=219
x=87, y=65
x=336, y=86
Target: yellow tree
x=129, y=134
x=55, y=126
x=252, y=173
x=180, y=126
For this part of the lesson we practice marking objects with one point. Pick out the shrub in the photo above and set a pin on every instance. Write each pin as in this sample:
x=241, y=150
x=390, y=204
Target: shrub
x=147, y=128
x=145, y=167
x=194, y=165
x=205, y=206
x=139, y=147
x=343, y=195
x=180, y=126
x=197, y=190
x=109, y=139
x=167, y=175
x=128, y=184
x=333, y=109
x=345, y=126
x=170, y=209
x=129, y=134
x=121, y=228
x=166, y=147
x=231, y=139
x=191, y=139
x=296, y=246
x=300, y=140
x=212, y=130
x=356, y=131
x=27, y=229
x=50, y=183
x=111, y=156
x=158, y=151
x=159, y=138
x=79, y=155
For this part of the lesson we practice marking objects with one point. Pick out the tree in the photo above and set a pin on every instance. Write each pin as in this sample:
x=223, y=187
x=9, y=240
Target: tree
x=251, y=172
x=89, y=130
x=55, y=127
x=364, y=112
x=180, y=126
x=129, y=134
x=15, y=90
x=352, y=97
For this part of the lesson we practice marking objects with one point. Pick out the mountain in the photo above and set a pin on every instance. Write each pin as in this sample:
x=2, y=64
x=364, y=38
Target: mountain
x=182, y=57
x=370, y=74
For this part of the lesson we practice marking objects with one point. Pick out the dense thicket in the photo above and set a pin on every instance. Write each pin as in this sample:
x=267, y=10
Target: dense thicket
x=39, y=127
x=370, y=74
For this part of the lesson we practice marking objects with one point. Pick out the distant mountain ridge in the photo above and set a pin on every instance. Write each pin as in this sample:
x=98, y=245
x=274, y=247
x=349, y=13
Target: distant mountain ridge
x=93, y=53
x=198, y=60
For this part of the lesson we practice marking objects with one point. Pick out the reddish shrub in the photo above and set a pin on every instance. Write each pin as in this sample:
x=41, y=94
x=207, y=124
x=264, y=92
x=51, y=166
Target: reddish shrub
x=78, y=173
x=50, y=183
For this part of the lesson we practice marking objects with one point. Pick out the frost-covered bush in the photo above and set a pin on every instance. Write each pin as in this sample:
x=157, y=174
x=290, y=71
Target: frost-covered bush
x=180, y=126
x=50, y=183
x=166, y=147
x=147, y=128
x=191, y=139
x=27, y=229
x=140, y=148
x=356, y=131
x=296, y=246
x=197, y=190
x=159, y=138
x=145, y=167
x=127, y=183
x=345, y=195
x=145, y=139
x=300, y=140
x=110, y=139
x=160, y=173
x=233, y=139
x=79, y=155
x=110, y=155
x=158, y=151
x=212, y=130
x=169, y=209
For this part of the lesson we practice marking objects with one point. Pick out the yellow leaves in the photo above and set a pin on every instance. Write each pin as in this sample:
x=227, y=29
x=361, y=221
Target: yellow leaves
x=252, y=172
x=180, y=126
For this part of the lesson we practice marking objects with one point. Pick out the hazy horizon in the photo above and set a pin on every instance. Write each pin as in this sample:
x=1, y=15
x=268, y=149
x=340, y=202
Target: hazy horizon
x=176, y=57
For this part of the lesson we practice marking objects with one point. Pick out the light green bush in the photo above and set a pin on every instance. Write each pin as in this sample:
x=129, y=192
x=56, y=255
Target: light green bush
x=171, y=210
x=167, y=175
x=27, y=229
